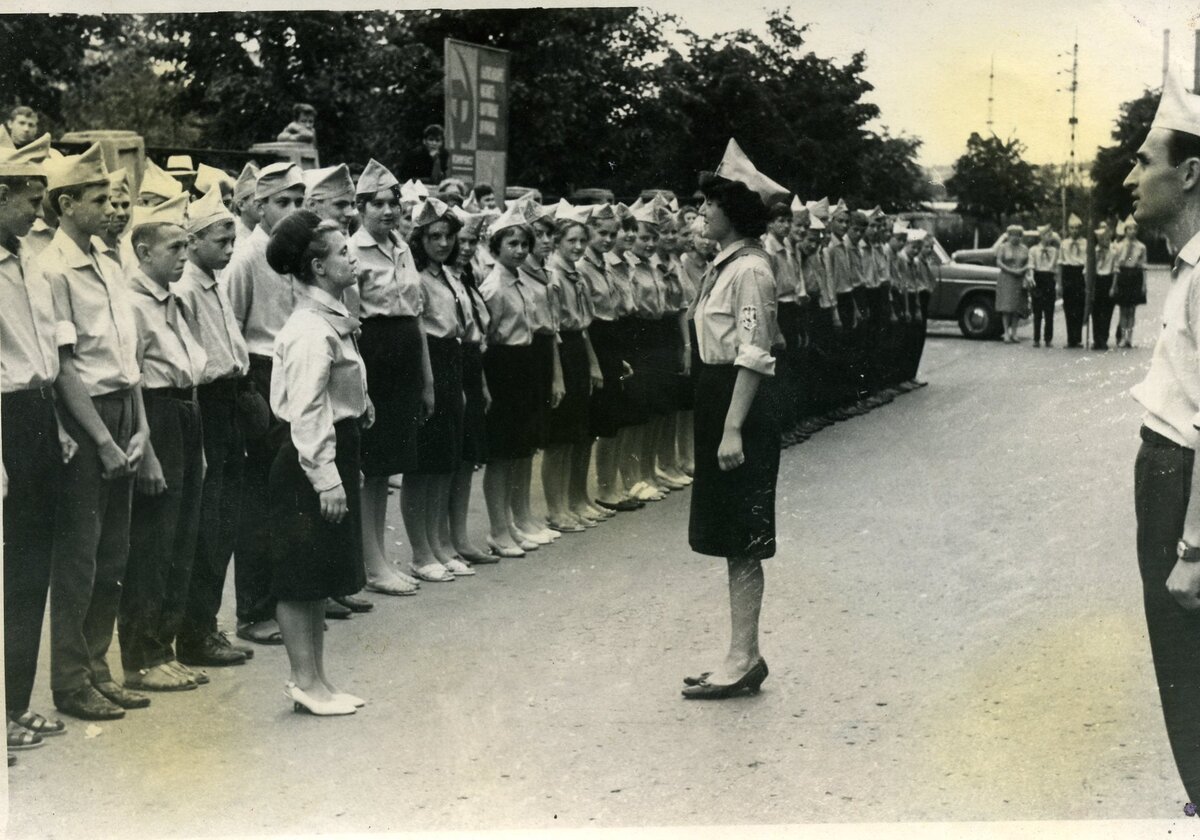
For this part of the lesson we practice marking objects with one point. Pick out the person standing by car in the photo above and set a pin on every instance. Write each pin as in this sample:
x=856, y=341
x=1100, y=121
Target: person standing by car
x=1165, y=183
x=1072, y=259
x=1129, y=291
x=1044, y=260
x=1102, y=297
x=1012, y=258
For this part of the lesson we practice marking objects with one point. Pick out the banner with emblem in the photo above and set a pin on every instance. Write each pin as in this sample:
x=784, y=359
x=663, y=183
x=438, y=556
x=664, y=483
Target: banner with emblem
x=476, y=124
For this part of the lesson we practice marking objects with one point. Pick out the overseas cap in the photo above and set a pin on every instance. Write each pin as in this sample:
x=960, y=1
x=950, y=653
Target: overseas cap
x=209, y=176
x=243, y=188
x=276, y=178
x=1178, y=110
x=735, y=166
x=207, y=211
x=156, y=181
x=329, y=182
x=374, y=178
x=25, y=162
x=75, y=170
x=173, y=211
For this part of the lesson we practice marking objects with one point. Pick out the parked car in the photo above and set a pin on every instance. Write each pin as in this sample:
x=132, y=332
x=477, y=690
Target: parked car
x=966, y=289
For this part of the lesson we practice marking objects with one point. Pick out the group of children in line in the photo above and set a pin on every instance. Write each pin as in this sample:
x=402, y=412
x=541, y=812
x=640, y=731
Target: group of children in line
x=198, y=366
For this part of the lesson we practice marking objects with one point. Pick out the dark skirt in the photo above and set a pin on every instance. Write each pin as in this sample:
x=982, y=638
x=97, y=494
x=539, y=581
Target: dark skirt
x=733, y=513
x=1129, y=287
x=689, y=391
x=569, y=420
x=606, y=408
x=633, y=411
x=312, y=559
x=391, y=351
x=543, y=382
x=474, y=447
x=655, y=366
x=439, y=441
x=514, y=408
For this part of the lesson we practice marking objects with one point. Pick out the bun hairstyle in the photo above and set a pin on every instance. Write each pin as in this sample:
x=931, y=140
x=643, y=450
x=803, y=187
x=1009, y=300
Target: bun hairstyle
x=742, y=205
x=296, y=241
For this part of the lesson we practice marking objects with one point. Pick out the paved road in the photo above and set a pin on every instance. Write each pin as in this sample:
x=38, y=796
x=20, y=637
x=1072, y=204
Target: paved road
x=953, y=625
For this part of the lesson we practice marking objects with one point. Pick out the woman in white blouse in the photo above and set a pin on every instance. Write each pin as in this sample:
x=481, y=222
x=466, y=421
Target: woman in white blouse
x=318, y=388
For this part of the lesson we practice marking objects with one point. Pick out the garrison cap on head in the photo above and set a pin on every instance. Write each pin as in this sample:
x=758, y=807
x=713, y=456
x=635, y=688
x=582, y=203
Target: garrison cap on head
x=1074, y=221
x=1043, y=230
x=1014, y=229
x=901, y=226
x=155, y=181
x=798, y=205
x=533, y=210
x=622, y=210
x=173, y=211
x=915, y=234
x=564, y=211
x=414, y=191
x=841, y=207
x=434, y=210
x=814, y=222
x=276, y=178
x=25, y=162
x=328, y=182
x=819, y=209
x=470, y=222
x=207, y=210
x=471, y=205
x=180, y=165
x=375, y=177
x=735, y=166
x=600, y=212
x=244, y=187
x=1131, y=222
x=118, y=180
x=1178, y=110
x=1101, y=229
x=514, y=216
x=209, y=176
x=77, y=170
x=874, y=213
x=653, y=212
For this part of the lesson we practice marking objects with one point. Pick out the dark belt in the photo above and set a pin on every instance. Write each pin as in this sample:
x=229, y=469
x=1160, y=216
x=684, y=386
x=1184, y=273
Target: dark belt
x=44, y=392
x=1155, y=439
x=181, y=394
x=225, y=389
x=119, y=394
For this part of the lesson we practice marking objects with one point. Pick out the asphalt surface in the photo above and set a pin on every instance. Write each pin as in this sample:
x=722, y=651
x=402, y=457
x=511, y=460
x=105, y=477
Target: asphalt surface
x=953, y=624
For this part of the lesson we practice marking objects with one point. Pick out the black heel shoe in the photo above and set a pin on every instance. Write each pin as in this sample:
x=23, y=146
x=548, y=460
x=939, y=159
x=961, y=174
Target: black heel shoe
x=751, y=682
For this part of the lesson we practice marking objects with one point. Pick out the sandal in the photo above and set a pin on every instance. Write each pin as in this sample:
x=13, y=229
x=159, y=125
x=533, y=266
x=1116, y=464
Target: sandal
x=262, y=632
x=20, y=738
x=433, y=571
x=401, y=587
x=39, y=724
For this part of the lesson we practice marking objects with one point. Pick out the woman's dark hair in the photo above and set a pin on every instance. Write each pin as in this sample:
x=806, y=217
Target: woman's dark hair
x=629, y=224
x=742, y=205
x=296, y=241
x=416, y=242
x=1180, y=146
x=433, y=132
x=497, y=238
x=545, y=223
x=780, y=211
x=482, y=191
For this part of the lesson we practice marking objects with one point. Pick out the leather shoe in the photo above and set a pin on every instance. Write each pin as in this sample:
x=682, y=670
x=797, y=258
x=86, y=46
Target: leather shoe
x=750, y=682
x=87, y=704
x=353, y=604
x=335, y=610
x=208, y=652
x=121, y=696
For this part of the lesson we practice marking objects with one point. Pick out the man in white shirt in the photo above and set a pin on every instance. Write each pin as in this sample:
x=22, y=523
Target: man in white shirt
x=1165, y=182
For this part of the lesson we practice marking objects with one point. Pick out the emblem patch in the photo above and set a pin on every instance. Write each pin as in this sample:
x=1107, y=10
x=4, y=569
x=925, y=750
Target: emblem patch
x=749, y=319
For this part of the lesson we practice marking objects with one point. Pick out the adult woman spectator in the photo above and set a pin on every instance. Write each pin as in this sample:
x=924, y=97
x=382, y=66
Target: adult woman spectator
x=1012, y=258
x=318, y=388
x=394, y=350
x=425, y=495
x=737, y=430
x=1129, y=291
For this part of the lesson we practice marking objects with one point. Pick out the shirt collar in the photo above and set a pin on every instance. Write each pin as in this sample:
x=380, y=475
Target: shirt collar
x=325, y=300
x=143, y=285
x=74, y=257
x=1190, y=253
x=6, y=254
x=731, y=249
x=595, y=259
x=560, y=262
x=195, y=272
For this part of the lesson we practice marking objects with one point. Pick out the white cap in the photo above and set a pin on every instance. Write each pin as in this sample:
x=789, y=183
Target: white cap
x=735, y=166
x=1178, y=110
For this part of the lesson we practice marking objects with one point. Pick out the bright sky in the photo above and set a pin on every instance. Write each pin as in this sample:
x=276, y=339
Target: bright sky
x=929, y=61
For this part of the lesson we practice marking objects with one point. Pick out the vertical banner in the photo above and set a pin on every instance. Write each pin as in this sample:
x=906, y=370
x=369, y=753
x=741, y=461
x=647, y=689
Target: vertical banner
x=477, y=113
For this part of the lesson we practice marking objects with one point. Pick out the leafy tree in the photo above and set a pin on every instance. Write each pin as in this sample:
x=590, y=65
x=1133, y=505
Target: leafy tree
x=992, y=180
x=1113, y=163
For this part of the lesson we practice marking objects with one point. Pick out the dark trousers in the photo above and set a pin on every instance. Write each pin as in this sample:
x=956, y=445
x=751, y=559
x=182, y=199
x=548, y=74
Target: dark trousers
x=91, y=547
x=845, y=374
x=822, y=359
x=252, y=566
x=1162, y=485
x=1074, y=292
x=920, y=330
x=1042, y=301
x=788, y=365
x=31, y=459
x=220, y=504
x=162, y=536
x=1102, y=310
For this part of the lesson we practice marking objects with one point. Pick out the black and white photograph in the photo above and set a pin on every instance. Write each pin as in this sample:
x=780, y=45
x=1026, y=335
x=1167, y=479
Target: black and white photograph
x=431, y=421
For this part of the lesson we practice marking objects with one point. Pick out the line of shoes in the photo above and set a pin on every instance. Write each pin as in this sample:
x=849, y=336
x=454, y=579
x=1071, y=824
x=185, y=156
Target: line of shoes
x=809, y=427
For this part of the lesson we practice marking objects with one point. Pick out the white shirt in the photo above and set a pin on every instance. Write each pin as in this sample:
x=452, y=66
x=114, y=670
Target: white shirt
x=1170, y=393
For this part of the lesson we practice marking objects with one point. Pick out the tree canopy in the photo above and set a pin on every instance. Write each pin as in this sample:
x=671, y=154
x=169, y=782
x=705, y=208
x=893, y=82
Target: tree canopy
x=623, y=98
x=992, y=180
x=1113, y=163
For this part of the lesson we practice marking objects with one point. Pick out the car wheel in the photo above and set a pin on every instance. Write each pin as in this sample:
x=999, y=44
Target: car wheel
x=978, y=318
